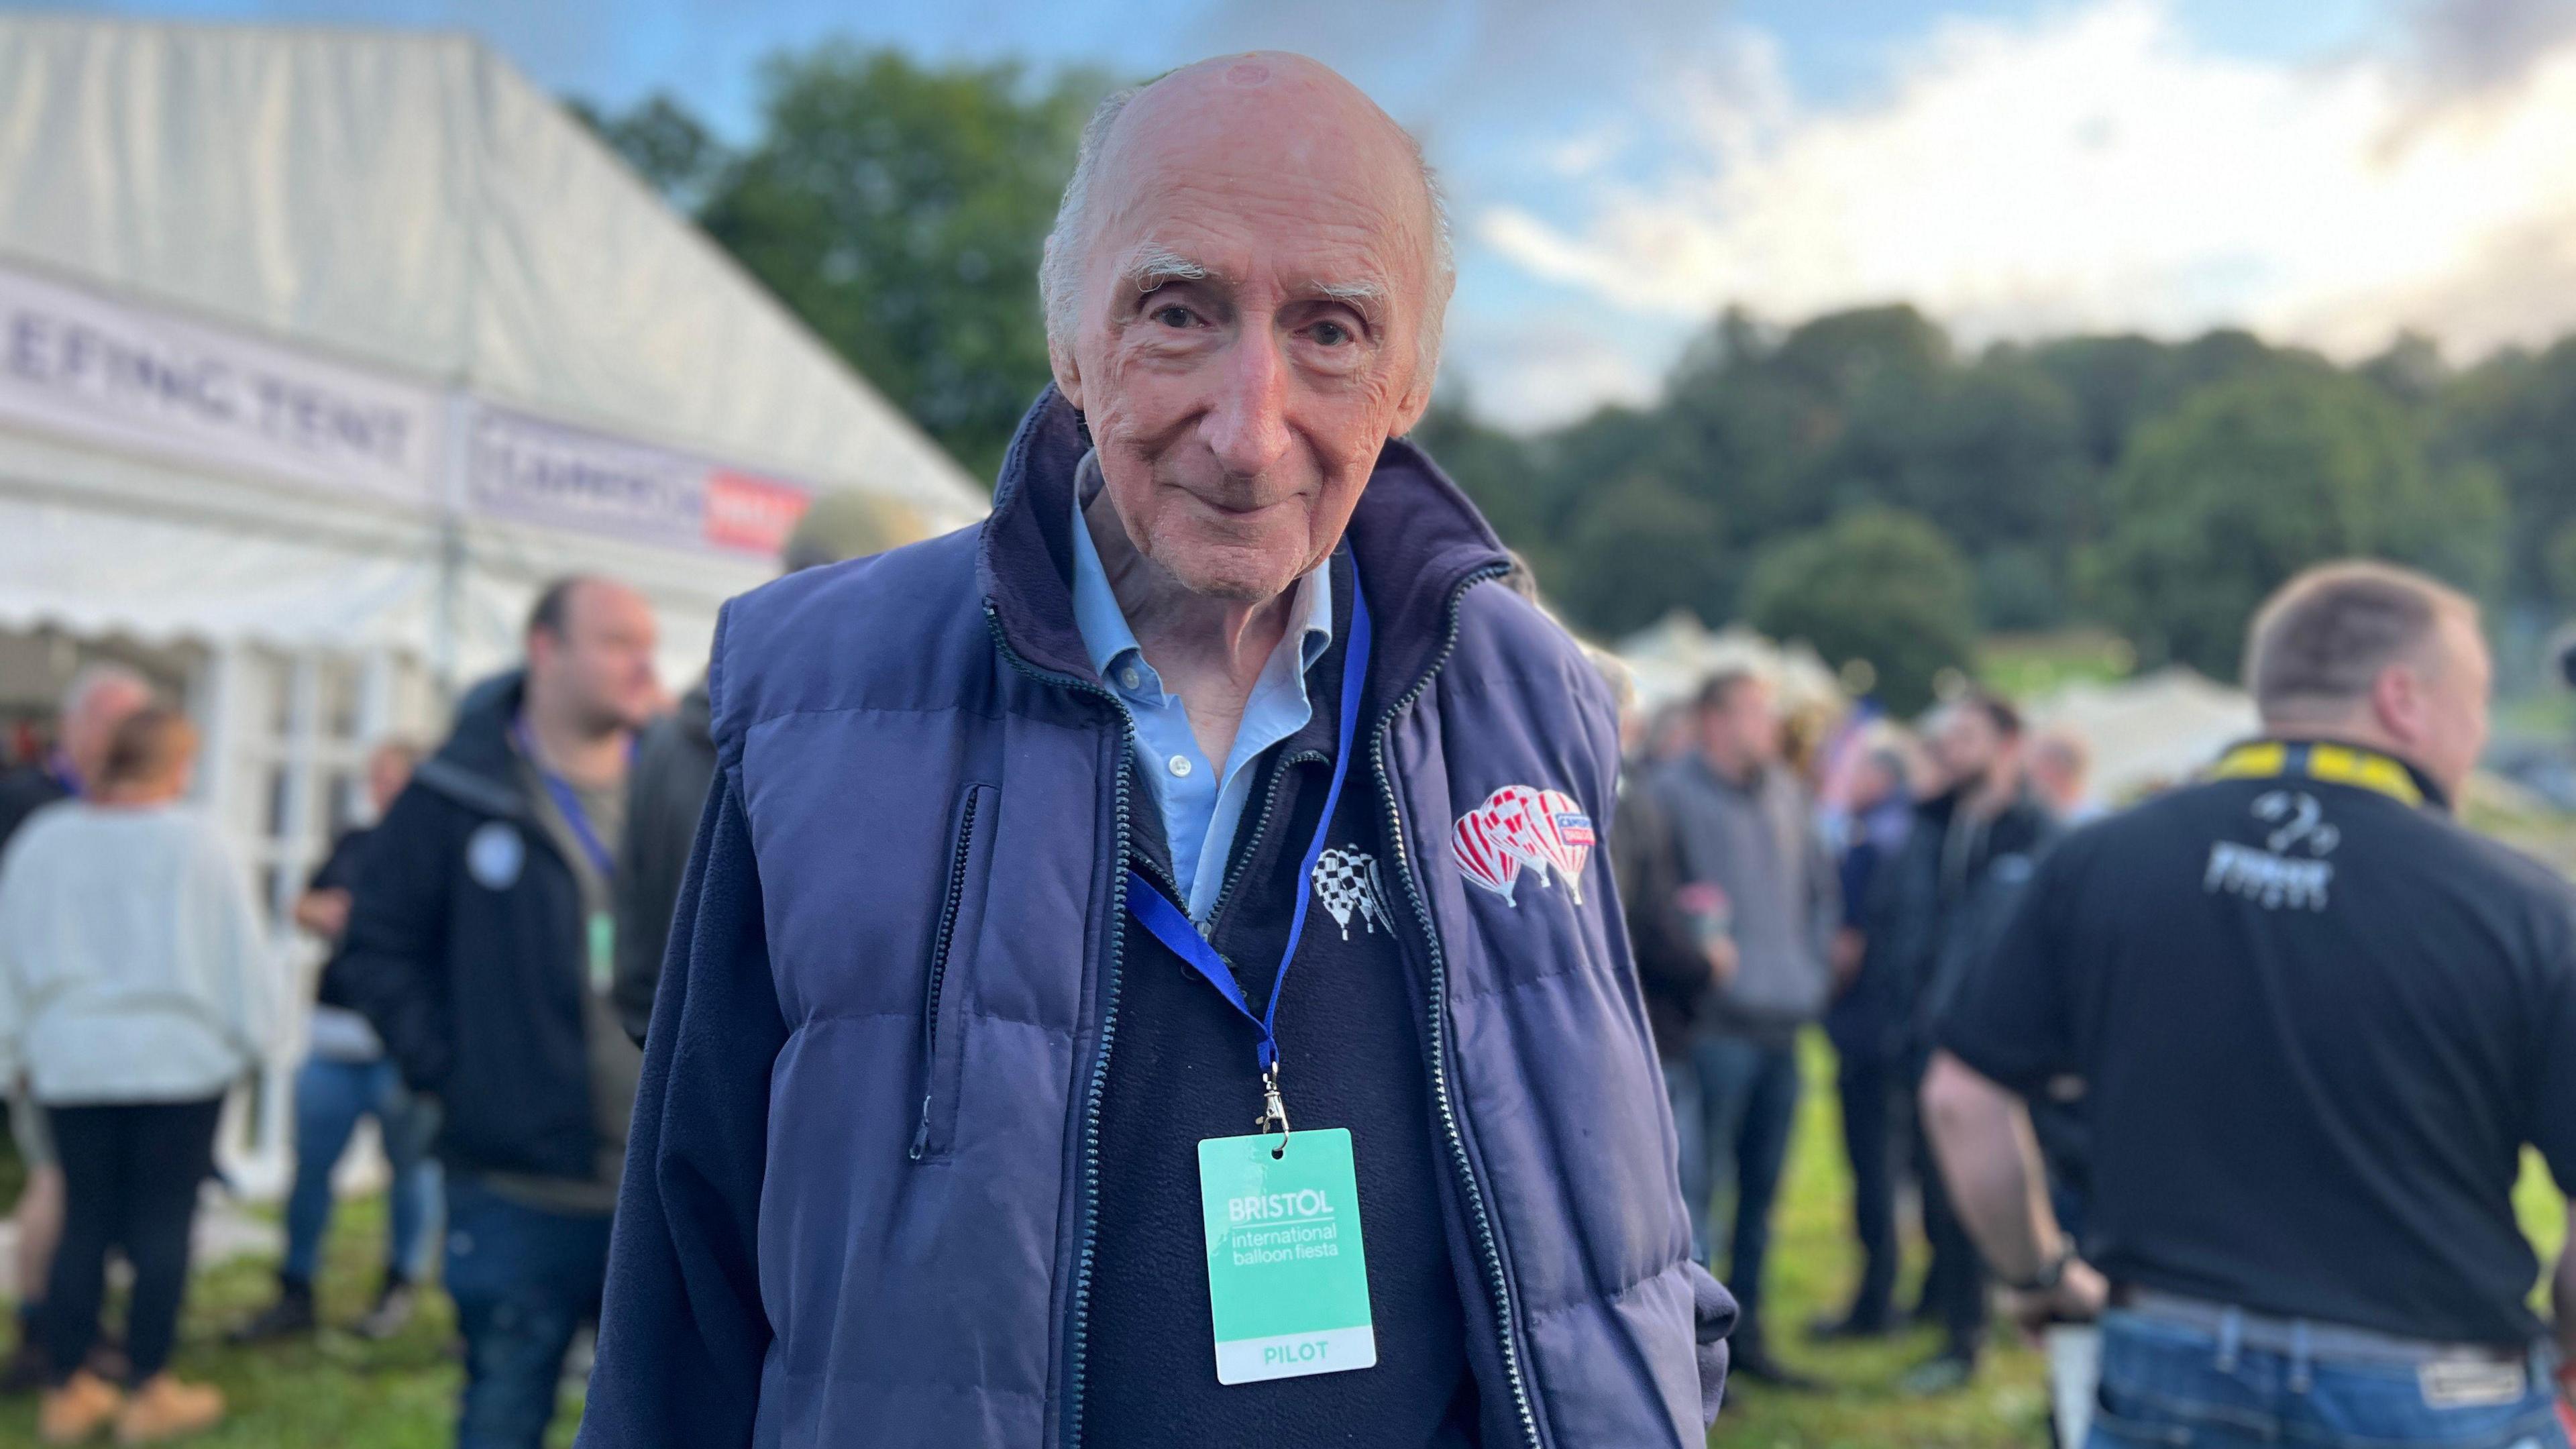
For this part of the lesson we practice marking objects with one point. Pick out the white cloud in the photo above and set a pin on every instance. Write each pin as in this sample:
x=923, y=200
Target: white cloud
x=2096, y=169
x=1539, y=373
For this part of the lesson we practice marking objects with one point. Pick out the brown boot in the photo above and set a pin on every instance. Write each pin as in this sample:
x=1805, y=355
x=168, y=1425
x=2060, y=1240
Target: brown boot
x=167, y=1409
x=78, y=1409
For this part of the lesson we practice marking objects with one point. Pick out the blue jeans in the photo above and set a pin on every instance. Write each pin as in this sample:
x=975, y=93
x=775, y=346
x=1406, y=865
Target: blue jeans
x=330, y=1097
x=1748, y=1104
x=524, y=1282
x=2168, y=1386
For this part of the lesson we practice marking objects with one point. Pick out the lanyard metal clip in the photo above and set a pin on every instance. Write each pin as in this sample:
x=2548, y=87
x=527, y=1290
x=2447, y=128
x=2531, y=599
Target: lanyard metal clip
x=1274, y=1111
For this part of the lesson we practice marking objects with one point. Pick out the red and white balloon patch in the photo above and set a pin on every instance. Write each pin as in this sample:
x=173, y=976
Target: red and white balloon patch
x=1519, y=828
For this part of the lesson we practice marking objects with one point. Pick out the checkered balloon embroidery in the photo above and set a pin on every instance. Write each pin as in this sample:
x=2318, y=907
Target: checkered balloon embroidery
x=1346, y=881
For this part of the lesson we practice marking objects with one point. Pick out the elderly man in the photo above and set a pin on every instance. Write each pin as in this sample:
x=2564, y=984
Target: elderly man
x=1144, y=976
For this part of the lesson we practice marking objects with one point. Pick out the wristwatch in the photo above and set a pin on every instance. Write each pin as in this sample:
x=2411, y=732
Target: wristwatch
x=2051, y=1273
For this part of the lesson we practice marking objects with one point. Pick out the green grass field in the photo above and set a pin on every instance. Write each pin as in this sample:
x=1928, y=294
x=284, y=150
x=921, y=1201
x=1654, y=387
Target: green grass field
x=338, y=1392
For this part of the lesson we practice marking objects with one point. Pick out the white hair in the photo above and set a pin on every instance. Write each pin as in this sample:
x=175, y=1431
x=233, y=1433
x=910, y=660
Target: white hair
x=1068, y=243
x=93, y=677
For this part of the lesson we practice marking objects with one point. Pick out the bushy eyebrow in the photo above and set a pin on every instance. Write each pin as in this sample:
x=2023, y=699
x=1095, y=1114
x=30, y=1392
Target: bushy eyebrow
x=1152, y=266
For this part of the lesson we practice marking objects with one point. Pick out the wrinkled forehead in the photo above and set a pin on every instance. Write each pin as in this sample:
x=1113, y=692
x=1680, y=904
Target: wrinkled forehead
x=1287, y=173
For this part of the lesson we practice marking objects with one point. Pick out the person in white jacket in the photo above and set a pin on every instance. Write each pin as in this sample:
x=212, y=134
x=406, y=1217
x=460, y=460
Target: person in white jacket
x=137, y=986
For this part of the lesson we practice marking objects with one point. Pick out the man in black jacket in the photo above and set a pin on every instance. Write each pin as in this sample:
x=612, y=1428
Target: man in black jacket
x=675, y=758
x=1971, y=849
x=480, y=946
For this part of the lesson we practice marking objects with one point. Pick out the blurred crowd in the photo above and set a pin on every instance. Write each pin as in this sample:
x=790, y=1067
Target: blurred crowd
x=495, y=934
x=1831, y=867
x=1780, y=872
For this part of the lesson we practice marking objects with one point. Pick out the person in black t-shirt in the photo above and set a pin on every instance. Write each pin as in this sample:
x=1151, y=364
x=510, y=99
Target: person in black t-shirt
x=2319, y=1021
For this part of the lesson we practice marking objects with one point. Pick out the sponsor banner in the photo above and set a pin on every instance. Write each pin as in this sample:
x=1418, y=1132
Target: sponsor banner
x=533, y=471
x=145, y=380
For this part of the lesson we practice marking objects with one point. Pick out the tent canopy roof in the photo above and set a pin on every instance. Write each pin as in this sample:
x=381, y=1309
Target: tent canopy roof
x=411, y=201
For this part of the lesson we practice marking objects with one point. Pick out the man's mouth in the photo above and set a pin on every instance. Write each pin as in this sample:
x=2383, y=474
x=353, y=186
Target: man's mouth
x=1237, y=507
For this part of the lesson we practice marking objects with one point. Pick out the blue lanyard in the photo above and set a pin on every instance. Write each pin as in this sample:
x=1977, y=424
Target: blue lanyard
x=1171, y=925
x=568, y=804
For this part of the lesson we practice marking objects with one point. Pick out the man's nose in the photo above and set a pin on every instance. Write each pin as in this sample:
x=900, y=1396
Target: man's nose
x=1247, y=429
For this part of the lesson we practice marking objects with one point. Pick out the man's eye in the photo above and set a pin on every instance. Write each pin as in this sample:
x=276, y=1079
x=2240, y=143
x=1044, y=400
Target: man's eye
x=1331, y=334
x=1174, y=314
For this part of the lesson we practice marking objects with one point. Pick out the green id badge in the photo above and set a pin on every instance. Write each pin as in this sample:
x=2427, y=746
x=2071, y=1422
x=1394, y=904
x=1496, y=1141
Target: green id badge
x=1287, y=1275
x=603, y=952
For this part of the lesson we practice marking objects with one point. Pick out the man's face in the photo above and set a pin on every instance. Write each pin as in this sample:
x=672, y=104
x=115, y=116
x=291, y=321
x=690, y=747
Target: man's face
x=1871, y=783
x=1744, y=728
x=2450, y=731
x=1969, y=745
x=1253, y=300
x=388, y=770
x=602, y=661
x=91, y=726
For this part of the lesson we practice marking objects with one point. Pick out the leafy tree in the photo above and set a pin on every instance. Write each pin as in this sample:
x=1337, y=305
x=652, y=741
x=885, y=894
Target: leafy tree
x=2251, y=480
x=2516, y=413
x=1495, y=468
x=2019, y=588
x=1639, y=549
x=1878, y=584
x=666, y=145
x=2411, y=370
x=900, y=210
x=1992, y=454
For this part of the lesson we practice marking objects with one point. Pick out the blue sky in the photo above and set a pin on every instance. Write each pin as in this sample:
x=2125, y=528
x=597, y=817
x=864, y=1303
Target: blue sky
x=2326, y=170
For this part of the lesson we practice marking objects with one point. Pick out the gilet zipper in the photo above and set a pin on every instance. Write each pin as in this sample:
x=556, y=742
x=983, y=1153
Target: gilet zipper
x=939, y=947
x=1077, y=1331
x=1480, y=1217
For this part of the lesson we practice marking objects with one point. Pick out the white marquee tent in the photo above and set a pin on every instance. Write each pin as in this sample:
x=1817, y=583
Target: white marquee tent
x=321, y=349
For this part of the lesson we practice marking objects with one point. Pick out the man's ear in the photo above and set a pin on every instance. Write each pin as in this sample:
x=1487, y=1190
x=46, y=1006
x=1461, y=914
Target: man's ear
x=2397, y=701
x=1417, y=401
x=1068, y=373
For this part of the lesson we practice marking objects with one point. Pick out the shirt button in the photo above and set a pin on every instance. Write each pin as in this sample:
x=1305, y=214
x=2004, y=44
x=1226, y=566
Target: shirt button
x=1180, y=766
x=1130, y=678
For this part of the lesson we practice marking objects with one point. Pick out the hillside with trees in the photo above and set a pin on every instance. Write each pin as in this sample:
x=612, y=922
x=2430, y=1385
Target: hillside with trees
x=1859, y=480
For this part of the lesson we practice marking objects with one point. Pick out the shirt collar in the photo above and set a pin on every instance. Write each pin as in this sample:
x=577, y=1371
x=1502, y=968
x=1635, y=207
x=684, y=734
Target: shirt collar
x=2336, y=763
x=1105, y=634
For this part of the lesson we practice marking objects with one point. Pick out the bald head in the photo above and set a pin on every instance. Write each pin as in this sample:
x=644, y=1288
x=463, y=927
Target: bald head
x=1244, y=291
x=1267, y=110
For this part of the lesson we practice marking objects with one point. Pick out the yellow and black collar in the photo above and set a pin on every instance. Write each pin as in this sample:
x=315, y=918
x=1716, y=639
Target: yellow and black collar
x=2333, y=763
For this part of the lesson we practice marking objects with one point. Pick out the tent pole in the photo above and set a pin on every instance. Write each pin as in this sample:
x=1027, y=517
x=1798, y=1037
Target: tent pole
x=446, y=621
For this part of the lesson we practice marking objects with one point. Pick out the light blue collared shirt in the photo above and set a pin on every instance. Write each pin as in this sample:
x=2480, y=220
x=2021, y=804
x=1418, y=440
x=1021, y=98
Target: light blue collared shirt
x=1201, y=807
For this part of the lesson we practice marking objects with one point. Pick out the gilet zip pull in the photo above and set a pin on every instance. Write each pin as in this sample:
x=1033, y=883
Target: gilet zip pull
x=972, y=803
